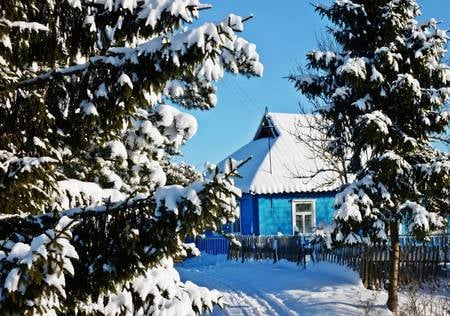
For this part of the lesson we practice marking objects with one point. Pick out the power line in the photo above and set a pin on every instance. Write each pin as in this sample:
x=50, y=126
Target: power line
x=256, y=106
x=249, y=109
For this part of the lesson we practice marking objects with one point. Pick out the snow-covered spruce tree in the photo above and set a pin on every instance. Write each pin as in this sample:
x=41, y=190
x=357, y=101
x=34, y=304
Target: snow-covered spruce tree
x=84, y=87
x=384, y=92
x=118, y=261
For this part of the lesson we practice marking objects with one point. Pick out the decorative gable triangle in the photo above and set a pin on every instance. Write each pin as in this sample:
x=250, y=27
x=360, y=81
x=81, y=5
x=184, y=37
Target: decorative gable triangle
x=266, y=129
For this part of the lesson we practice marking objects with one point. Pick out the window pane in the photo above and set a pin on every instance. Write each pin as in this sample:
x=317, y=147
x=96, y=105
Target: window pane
x=299, y=223
x=303, y=207
x=308, y=223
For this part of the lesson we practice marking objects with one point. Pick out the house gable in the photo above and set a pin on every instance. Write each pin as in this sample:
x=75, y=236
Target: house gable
x=266, y=129
x=279, y=161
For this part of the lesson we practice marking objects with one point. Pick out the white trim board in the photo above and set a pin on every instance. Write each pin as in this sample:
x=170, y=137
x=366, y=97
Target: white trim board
x=295, y=201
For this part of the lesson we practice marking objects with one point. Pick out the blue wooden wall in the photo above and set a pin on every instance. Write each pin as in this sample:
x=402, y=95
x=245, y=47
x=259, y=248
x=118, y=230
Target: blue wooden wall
x=249, y=214
x=271, y=214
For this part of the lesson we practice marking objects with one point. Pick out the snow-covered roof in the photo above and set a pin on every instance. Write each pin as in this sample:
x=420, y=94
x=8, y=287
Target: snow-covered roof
x=274, y=171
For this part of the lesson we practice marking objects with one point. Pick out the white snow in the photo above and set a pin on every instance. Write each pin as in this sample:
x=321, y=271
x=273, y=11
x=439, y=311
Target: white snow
x=51, y=241
x=76, y=193
x=151, y=10
x=12, y=280
x=376, y=76
x=39, y=143
x=232, y=50
x=75, y=3
x=179, y=126
x=421, y=218
x=124, y=79
x=349, y=210
x=6, y=41
x=342, y=92
x=402, y=164
x=19, y=251
x=174, y=88
x=24, y=25
x=102, y=91
x=13, y=165
x=363, y=103
x=327, y=57
x=378, y=118
x=264, y=288
x=88, y=108
x=235, y=22
x=354, y=66
x=407, y=81
x=162, y=292
x=447, y=75
x=352, y=239
x=89, y=21
x=171, y=195
x=118, y=149
x=274, y=173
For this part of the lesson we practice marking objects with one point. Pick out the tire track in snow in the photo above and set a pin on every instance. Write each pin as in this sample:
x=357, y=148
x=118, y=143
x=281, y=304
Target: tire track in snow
x=241, y=304
x=268, y=303
x=276, y=305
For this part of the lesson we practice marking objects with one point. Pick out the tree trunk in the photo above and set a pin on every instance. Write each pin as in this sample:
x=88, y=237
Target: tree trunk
x=394, y=259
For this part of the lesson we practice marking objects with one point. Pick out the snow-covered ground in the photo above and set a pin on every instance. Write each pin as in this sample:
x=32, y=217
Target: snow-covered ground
x=264, y=288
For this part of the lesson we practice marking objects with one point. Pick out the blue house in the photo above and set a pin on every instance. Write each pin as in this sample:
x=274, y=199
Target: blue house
x=277, y=196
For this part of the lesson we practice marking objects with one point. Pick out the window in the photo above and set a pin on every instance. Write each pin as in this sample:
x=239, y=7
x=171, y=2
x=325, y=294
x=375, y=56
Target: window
x=303, y=216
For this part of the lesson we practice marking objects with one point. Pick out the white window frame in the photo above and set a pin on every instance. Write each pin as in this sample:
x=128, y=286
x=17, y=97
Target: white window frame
x=298, y=201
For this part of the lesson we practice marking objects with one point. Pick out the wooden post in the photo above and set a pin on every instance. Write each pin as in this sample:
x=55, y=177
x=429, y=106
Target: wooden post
x=366, y=266
x=446, y=253
x=244, y=239
x=386, y=261
x=436, y=262
x=379, y=266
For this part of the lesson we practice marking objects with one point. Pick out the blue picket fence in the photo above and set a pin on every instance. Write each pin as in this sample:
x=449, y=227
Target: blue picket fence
x=217, y=245
x=214, y=245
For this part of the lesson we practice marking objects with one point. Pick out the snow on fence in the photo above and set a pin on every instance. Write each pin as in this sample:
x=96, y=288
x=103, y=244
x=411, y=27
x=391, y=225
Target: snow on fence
x=214, y=245
x=418, y=261
x=269, y=247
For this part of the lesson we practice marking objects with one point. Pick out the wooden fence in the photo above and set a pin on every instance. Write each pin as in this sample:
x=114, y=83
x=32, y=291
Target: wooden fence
x=267, y=247
x=214, y=245
x=418, y=261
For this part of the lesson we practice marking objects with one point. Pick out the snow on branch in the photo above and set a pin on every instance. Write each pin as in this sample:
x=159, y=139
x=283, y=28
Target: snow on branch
x=210, y=39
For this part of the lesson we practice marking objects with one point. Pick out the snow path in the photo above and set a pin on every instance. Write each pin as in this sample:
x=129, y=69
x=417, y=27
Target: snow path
x=264, y=288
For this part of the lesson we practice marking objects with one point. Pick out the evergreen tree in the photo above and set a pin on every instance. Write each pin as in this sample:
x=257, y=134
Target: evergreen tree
x=85, y=125
x=385, y=92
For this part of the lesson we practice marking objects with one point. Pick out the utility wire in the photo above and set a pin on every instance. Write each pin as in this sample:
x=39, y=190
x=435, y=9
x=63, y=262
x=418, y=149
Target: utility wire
x=255, y=105
x=245, y=105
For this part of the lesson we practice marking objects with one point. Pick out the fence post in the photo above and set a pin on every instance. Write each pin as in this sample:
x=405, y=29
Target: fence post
x=275, y=249
x=446, y=255
x=242, y=248
x=365, y=267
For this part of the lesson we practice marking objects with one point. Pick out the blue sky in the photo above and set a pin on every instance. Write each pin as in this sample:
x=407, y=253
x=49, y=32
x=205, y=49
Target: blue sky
x=283, y=31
